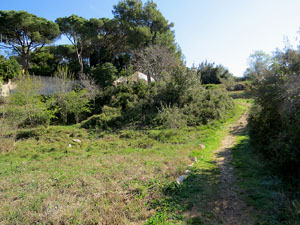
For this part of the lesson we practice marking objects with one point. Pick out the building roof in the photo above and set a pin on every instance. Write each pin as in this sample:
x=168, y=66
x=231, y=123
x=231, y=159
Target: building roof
x=137, y=76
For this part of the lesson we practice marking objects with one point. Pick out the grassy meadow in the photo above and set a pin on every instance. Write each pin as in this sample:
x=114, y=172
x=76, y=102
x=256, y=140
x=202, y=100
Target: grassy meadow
x=122, y=177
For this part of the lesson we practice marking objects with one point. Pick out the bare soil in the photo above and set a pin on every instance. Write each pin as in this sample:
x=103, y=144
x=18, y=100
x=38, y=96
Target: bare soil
x=230, y=209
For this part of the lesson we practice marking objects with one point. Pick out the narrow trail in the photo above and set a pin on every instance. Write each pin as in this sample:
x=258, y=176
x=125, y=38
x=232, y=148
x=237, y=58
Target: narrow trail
x=230, y=209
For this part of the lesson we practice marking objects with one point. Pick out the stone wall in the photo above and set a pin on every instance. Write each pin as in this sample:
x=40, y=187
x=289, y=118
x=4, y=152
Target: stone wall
x=49, y=85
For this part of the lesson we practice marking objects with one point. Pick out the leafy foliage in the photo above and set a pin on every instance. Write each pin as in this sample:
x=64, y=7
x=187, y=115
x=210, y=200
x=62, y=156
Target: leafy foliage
x=9, y=68
x=274, y=119
x=26, y=107
x=212, y=74
x=259, y=62
x=24, y=32
x=171, y=117
x=104, y=74
x=182, y=98
x=107, y=119
x=143, y=24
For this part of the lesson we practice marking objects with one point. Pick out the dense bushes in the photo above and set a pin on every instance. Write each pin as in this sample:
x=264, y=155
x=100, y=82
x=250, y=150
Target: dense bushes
x=275, y=117
x=214, y=74
x=26, y=107
x=178, y=102
x=198, y=104
x=104, y=74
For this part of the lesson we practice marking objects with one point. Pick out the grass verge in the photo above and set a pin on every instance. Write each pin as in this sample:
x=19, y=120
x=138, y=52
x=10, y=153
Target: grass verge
x=191, y=202
x=261, y=189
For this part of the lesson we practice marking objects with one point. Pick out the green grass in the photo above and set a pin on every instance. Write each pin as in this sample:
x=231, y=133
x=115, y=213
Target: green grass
x=248, y=101
x=261, y=189
x=191, y=202
x=240, y=94
x=126, y=177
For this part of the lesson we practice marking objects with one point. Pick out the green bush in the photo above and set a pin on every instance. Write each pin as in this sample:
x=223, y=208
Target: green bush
x=275, y=117
x=26, y=107
x=136, y=100
x=43, y=63
x=178, y=102
x=67, y=101
x=72, y=103
x=104, y=74
x=106, y=120
x=9, y=68
x=214, y=74
x=171, y=117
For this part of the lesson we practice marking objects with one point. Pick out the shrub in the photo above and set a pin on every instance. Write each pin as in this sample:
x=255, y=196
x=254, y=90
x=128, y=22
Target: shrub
x=274, y=119
x=182, y=99
x=106, y=120
x=171, y=117
x=214, y=74
x=9, y=68
x=72, y=103
x=104, y=74
x=26, y=107
x=79, y=103
x=66, y=101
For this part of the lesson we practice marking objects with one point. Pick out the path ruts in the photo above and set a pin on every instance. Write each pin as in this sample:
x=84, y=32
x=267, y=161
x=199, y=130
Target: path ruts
x=230, y=209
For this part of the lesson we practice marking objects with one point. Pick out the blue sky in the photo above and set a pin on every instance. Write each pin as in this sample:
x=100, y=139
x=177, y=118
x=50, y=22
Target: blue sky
x=221, y=31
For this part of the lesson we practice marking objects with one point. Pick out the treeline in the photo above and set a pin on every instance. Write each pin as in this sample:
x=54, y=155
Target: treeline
x=94, y=41
x=137, y=38
x=100, y=47
x=274, y=119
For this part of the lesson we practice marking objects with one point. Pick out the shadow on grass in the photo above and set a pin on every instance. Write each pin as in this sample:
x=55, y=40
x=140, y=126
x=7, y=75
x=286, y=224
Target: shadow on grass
x=190, y=202
x=194, y=201
x=261, y=188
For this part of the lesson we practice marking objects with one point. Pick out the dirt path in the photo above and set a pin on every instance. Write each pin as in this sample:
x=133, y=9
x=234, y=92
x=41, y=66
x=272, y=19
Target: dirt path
x=230, y=209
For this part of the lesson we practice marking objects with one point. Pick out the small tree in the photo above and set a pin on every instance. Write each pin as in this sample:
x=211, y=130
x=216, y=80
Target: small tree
x=25, y=105
x=259, y=63
x=213, y=74
x=155, y=61
x=78, y=102
x=65, y=99
x=90, y=86
x=64, y=81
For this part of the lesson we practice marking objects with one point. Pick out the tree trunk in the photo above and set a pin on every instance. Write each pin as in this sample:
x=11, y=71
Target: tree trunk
x=148, y=79
x=25, y=59
x=154, y=38
x=80, y=59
